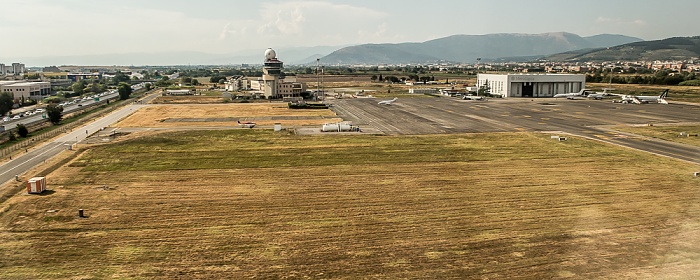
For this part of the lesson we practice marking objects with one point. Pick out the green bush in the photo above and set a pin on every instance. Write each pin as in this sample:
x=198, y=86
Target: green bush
x=690, y=83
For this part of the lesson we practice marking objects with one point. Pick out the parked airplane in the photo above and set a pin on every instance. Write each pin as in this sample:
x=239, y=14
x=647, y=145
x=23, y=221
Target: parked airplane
x=387, y=102
x=600, y=95
x=246, y=124
x=472, y=97
x=582, y=94
x=639, y=99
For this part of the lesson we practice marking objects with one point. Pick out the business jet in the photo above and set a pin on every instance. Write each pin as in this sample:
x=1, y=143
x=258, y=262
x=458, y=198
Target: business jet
x=246, y=124
x=387, y=102
x=600, y=95
x=472, y=97
x=582, y=94
x=639, y=99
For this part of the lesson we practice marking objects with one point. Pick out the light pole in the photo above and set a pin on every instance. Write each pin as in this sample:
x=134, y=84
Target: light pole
x=477, y=75
x=318, y=84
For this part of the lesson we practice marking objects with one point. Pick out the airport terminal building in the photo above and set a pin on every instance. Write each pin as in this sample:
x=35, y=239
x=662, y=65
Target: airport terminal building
x=531, y=85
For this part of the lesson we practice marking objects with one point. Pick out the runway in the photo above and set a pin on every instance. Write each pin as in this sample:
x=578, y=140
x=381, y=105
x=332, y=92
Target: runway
x=592, y=119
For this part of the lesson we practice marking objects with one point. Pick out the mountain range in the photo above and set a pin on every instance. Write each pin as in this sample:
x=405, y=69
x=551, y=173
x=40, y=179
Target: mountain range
x=467, y=48
x=559, y=46
x=675, y=48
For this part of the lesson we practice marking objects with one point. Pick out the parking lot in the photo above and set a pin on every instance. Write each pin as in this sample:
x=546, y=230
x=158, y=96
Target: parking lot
x=592, y=119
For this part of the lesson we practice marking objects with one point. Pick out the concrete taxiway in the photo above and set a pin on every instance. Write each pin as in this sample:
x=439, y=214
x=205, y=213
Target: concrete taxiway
x=586, y=118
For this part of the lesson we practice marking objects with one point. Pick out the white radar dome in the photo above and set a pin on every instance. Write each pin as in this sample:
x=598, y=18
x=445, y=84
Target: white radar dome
x=270, y=54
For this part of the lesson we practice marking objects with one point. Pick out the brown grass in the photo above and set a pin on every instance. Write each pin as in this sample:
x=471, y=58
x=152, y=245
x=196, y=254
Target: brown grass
x=602, y=212
x=156, y=116
x=690, y=136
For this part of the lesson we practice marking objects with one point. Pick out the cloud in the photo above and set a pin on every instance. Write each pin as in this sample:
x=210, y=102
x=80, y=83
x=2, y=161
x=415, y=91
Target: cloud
x=130, y=26
x=617, y=21
x=304, y=23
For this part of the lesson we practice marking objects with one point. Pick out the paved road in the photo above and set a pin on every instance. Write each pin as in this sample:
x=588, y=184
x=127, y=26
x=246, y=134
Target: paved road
x=586, y=118
x=23, y=163
x=66, y=109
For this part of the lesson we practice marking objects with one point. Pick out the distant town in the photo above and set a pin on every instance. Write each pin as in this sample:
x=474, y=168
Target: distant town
x=34, y=82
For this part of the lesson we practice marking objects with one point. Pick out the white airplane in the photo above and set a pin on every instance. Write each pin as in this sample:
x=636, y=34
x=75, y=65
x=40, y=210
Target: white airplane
x=246, y=124
x=600, y=95
x=639, y=99
x=472, y=97
x=387, y=102
x=582, y=94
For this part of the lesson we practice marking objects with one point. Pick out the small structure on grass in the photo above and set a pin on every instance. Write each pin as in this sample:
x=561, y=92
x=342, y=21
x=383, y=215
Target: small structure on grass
x=36, y=185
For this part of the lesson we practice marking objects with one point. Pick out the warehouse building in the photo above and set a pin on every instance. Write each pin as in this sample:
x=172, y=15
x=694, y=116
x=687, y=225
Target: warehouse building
x=26, y=90
x=531, y=85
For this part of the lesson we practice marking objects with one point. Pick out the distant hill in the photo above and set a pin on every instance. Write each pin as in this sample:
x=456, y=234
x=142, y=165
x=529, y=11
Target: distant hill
x=467, y=48
x=676, y=48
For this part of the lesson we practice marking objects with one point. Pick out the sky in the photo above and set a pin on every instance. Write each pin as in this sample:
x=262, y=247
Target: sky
x=38, y=28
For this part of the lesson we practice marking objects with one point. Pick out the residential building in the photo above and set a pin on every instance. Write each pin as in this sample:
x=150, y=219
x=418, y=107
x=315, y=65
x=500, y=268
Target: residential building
x=18, y=68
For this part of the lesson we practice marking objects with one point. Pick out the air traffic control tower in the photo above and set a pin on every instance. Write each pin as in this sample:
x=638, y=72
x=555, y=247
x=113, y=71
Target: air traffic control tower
x=272, y=72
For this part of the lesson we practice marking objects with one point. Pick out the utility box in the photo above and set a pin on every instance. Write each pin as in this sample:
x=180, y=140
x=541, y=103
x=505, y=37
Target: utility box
x=36, y=185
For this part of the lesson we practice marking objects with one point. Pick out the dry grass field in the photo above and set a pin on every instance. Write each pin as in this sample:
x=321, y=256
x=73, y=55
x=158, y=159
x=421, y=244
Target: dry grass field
x=189, y=99
x=238, y=204
x=691, y=133
x=224, y=115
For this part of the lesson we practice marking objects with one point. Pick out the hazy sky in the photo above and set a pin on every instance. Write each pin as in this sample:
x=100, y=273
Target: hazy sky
x=33, y=28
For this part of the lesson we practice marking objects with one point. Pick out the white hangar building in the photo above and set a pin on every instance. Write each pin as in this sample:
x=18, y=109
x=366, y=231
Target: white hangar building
x=531, y=85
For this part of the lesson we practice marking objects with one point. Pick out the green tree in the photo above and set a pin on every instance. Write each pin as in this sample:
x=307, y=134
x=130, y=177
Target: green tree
x=124, y=90
x=216, y=79
x=6, y=102
x=373, y=78
x=186, y=80
x=55, y=113
x=195, y=82
x=484, y=89
x=33, y=76
x=78, y=87
x=94, y=87
x=22, y=130
x=149, y=86
x=120, y=78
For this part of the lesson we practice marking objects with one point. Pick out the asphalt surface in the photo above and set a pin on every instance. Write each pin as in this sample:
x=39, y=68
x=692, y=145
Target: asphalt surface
x=66, y=109
x=586, y=118
x=21, y=164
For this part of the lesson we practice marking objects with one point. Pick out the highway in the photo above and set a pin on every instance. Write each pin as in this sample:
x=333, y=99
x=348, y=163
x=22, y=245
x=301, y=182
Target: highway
x=87, y=103
x=21, y=164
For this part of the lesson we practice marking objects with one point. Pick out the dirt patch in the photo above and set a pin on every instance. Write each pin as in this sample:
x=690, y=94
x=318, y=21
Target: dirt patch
x=191, y=99
x=225, y=115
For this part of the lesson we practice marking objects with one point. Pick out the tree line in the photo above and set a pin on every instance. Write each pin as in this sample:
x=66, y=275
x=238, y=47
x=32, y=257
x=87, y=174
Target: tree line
x=663, y=77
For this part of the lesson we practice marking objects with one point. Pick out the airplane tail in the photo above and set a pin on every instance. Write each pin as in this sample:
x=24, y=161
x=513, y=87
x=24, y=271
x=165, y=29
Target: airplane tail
x=662, y=97
x=239, y=121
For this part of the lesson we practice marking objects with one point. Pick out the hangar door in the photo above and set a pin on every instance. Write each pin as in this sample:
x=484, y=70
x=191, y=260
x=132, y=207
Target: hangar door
x=527, y=89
